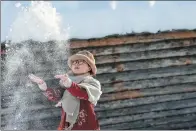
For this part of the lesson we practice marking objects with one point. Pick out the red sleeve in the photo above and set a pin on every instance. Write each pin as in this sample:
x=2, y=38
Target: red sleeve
x=76, y=91
x=54, y=94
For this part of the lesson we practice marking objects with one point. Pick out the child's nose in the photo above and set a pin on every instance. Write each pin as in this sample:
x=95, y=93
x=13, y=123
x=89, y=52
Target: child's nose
x=77, y=63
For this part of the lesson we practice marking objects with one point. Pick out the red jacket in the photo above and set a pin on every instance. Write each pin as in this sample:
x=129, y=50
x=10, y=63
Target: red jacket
x=86, y=119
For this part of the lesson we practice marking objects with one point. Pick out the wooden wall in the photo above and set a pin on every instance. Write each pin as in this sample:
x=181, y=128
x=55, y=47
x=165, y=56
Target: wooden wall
x=148, y=82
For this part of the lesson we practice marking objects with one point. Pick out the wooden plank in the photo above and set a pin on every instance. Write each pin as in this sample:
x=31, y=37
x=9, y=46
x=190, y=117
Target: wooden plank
x=145, y=55
x=132, y=39
x=132, y=75
x=129, y=56
x=192, y=127
x=180, y=125
x=3, y=104
x=50, y=124
x=162, y=106
x=146, y=74
x=150, y=83
x=38, y=106
x=32, y=108
x=137, y=47
x=25, y=81
x=143, y=101
x=114, y=104
x=46, y=124
x=183, y=81
x=131, y=48
x=30, y=87
x=125, y=66
x=50, y=56
x=114, y=87
x=35, y=115
x=50, y=68
x=130, y=94
x=48, y=76
x=146, y=64
x=149, y=115
x=174, y=105
x=47, y=118
x=151, y=122
x=26, y=99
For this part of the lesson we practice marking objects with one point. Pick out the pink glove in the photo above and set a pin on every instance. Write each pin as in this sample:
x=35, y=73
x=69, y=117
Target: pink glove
x=64, y=80
x=42, y=85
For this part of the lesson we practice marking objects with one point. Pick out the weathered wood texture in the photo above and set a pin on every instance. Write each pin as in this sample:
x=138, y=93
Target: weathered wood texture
x=148, y=82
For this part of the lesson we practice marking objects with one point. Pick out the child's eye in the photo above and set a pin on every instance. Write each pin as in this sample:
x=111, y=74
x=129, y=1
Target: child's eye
x=80, y=62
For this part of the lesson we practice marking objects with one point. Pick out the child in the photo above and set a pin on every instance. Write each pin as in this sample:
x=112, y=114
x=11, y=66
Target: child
x=80, y=93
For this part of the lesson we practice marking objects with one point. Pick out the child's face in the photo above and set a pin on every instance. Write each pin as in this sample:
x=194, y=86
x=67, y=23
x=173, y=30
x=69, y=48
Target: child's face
x=80, y=67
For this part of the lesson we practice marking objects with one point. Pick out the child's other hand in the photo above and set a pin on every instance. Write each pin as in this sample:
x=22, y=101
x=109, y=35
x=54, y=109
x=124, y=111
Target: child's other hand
x=62, y=77
x=64, y=80
x=35, y=79
x=39, y=81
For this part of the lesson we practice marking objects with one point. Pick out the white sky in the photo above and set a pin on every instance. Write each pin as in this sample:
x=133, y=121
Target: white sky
x=99, y=18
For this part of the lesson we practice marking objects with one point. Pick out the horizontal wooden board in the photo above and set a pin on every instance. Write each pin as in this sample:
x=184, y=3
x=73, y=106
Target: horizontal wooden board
x=142, y=101
x=168, y=105
x=146, y=64
x=27, y=100
x=151, y=122
x=41, y=124
x=133, y=39
x=113, y=87
x=173, y=126
x=128, y=65
x=149, y=83
x=130, y=75
x=136, y=47
x=145, y=55
x=149, y=115
x=127, y=56
x=56, y=113
x=146, y=74
x=131, y=94
x=35, y=115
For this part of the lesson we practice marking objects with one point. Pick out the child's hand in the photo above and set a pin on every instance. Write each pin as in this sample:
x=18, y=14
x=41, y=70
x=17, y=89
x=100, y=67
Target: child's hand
x=42, y=85
x=36, y=79
x=64, y=80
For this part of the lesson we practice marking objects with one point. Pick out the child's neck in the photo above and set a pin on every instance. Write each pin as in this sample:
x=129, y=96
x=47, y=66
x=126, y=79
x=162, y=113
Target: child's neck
x=87, y=73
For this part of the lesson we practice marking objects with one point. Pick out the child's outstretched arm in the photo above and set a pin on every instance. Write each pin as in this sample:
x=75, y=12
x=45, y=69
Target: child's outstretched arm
x=77, y=91
x=53, y=94
x=72, y=87
x=41, y=84
x=93, y=89
x=89, y=89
